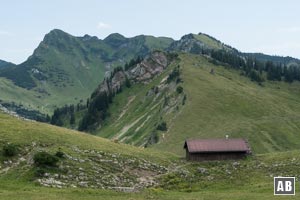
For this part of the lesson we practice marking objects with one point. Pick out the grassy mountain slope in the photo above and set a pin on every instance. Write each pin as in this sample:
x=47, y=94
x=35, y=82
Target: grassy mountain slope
x=219, y=104
x=137, y=111
x=65, y=69
x=227, y=103
x=208, y=41
x=88, y=161
x=22, y=132
x=89, y=158
x=11, y=92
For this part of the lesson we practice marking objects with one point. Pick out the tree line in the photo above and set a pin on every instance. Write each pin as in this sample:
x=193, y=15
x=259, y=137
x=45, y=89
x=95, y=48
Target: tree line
x=255, y=69
x=66, y=114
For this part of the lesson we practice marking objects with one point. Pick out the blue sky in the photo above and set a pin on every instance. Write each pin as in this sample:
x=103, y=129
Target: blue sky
x=272, y=27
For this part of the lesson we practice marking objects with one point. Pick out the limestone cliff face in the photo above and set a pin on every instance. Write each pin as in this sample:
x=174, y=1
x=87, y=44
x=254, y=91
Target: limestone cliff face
x=151, y=66
x=113, y=83
x=143, y=72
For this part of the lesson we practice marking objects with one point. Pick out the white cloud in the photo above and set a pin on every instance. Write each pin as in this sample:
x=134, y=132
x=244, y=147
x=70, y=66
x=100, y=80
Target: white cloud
x=102, y=25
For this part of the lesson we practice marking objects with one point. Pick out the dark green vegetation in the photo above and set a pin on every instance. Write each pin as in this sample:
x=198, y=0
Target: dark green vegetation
x=25, y=112
x=90, y=161
x=10, y=150
x=45, y=159
x=4, y=64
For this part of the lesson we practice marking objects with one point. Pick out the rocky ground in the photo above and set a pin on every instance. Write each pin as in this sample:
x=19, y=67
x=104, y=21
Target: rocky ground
x=89, y=168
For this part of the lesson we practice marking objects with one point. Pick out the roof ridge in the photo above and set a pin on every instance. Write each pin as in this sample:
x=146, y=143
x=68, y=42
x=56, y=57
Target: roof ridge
x=217, y=145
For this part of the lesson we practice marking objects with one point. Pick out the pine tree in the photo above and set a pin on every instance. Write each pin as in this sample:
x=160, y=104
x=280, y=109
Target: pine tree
x=72, y=119
x=87, y=102
x=127, y=82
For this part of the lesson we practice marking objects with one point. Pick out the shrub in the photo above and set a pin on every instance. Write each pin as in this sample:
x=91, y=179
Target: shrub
x=127, y=82
x=153, y=139
x=156, y=90
x=179, y=89
x=60, y=154
x=256, y=76
x=162, y=126
x=45, y=159
x=179, y=80
x=184, y=99
x=39, y=172
x=10, y=150
x=173, y=75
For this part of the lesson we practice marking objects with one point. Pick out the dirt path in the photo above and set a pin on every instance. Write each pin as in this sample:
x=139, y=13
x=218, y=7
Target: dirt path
x=138, y=128
x=126, y=128
x=130, y=99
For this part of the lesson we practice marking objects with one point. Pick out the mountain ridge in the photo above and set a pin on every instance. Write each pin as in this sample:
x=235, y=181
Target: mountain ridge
x=73, y=64
x=77, y=65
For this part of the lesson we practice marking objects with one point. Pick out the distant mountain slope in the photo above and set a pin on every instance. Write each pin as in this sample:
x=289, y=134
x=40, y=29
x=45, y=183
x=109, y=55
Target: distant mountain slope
x=138, y=45
x=65, y=69
x=5, y=64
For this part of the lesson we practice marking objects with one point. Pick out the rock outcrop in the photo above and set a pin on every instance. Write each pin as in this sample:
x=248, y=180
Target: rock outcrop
x=151, y=66
x=113, y=83
x=143, y=72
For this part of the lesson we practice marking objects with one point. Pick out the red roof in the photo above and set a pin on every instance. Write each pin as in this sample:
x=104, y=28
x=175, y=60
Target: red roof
x=216, y=145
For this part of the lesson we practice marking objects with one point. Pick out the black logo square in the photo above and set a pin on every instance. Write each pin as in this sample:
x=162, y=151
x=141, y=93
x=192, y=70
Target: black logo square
x=284, y=185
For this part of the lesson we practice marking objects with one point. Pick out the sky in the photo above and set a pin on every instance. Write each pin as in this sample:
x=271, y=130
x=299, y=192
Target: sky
x=271, y=27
